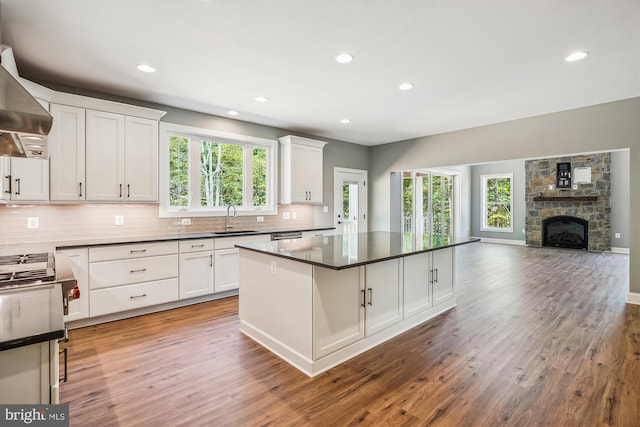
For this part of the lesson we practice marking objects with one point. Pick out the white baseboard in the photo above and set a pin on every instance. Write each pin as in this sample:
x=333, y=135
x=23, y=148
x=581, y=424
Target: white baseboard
x=619, y=250
x=501, y=241
x=633, y=298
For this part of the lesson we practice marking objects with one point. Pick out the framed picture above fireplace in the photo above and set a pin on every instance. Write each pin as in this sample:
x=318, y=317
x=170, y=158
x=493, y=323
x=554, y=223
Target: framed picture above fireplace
x=563, y=175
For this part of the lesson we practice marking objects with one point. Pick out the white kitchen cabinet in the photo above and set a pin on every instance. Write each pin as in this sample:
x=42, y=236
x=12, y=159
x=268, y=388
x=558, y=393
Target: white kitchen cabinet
x=24, y=179
x=227, y=260
x=338, y=309
x=383, y=295
x=196, y=268
x=121, y=158
x=417, y=284
x=132, y=276
x=79, y=308
x=301, y=163
x=442, y=275
x=29, y=374
x=66, y=147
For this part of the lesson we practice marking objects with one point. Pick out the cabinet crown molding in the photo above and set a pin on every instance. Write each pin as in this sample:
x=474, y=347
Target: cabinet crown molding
x=292, y=139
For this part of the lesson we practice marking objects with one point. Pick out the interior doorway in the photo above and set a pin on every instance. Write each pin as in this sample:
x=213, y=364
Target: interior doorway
x=350, y=200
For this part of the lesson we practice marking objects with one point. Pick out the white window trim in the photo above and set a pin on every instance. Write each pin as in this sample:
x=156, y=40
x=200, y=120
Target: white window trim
x=168, y=129
x=483, y=184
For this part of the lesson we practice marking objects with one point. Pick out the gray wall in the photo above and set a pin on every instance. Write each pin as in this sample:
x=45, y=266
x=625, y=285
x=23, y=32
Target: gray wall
x=516, y=167
x=620, y=206
x=604, y=127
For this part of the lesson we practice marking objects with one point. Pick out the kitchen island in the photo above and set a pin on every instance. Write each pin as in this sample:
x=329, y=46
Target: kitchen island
x=317, y=302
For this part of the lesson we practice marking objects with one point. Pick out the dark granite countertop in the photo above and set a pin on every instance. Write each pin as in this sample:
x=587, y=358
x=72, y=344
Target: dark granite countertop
x=345, y=251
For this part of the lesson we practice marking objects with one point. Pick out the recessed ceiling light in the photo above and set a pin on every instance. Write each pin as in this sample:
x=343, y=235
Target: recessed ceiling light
x=406, y=86
x=576, y=56
x=344, y=58
x=146, y=68
x=232, y=113
x=261, y=98
x=345, y=121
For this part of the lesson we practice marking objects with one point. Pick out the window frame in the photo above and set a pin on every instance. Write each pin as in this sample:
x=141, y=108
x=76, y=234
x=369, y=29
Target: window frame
x=485, y=203
x=172, y=129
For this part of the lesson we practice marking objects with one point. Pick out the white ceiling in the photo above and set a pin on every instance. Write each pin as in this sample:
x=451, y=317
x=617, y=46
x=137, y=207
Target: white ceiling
x=473, y=62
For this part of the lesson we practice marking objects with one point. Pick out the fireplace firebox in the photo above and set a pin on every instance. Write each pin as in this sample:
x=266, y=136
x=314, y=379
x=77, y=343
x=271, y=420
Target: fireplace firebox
x=565, y=232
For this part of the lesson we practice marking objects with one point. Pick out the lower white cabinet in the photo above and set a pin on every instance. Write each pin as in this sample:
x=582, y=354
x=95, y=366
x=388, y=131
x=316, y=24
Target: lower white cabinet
x=338, y=309
x=29, y=374
x=428, y=280
x=196, y=268
x=227, y=260
x=383, y=295
x=130, y=297
x=127, y=277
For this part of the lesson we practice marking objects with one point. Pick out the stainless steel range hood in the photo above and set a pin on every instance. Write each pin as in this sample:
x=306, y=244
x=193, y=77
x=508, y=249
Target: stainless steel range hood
x=24, y=123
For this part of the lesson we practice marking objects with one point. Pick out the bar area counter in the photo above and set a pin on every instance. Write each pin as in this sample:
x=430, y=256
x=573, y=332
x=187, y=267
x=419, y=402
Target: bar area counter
x=317, y=302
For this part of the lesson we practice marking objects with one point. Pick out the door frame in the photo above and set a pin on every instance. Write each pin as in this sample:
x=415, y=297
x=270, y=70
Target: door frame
x=361, y=176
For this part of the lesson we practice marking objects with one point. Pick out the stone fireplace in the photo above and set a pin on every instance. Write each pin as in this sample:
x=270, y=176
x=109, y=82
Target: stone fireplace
x=577, y=217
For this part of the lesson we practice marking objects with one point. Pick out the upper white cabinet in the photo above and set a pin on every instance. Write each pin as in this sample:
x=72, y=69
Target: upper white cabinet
x=301, y=170
x=67, y=153
x=121, y=158
x=24, y=179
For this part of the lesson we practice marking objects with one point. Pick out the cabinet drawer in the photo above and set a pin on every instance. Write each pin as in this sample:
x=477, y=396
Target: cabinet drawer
x=230, y=242
x=196, y=245
x=137, y=250
x=126, y=271
x=122, y=298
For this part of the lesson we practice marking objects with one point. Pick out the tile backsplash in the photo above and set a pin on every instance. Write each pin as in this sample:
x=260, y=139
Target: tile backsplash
x=60, y=223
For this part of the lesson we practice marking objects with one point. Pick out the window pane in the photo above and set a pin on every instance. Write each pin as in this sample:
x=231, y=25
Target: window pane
x=498, y=215
x=498, y=189
x=259, y=177
x=178, y=171
x=220, y=174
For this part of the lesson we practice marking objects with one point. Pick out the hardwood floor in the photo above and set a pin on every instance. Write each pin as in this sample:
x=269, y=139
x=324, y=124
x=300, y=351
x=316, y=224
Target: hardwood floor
x=540, y=337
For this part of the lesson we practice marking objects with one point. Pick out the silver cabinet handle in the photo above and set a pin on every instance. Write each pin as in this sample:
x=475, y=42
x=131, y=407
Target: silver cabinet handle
x=436, y=279
x=197, y=246
x=370, y=296
x=18, y=185
x=9, y=178
x=137, y=296
x=137, y=251
x=128, y=190
x=141, y=270
x=431, y=276
x=80, y=192
x=364, y=298
x=120, y=191
x=210, y=260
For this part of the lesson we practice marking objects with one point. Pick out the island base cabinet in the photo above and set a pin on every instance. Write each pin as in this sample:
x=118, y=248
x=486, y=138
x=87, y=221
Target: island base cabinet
x=417, y=285
x=442, y=275
x=338, y=309
x=275, y=305
x=383, y=295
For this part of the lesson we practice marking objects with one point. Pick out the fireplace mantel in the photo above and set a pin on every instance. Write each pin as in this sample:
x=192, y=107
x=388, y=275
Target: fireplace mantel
x=565, y=199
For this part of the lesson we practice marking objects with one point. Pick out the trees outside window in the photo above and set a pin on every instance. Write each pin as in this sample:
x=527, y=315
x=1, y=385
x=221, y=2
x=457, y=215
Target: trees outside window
x=205, y=174
x=497, y=196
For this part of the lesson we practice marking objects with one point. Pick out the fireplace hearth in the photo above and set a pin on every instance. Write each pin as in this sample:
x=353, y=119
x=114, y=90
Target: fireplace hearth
x=565, y=232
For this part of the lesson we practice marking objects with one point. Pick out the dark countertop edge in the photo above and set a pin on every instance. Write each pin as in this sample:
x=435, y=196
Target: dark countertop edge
x=172, y=237
x=33, y=339
x=357, y=264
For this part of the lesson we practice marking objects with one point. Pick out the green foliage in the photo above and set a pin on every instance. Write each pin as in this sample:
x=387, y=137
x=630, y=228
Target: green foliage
x=498, y=202
x=178, y=171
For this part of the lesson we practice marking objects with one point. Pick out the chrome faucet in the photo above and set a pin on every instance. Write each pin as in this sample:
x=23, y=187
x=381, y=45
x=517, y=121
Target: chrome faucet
x=235, y=214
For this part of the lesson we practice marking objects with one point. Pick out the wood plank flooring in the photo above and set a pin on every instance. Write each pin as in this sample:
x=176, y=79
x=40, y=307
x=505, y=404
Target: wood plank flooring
x=540, y=337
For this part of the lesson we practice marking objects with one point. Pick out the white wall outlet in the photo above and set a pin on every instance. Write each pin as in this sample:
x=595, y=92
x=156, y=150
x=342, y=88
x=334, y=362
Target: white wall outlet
x=551, y=186
x=617, y=235
x=286, y=215
x=33, y=222
x=185, y=221
x=119, y=219
x=325, y=209
x=260, y=219
x=294, y=215
x=274, y=268
x=575, y=186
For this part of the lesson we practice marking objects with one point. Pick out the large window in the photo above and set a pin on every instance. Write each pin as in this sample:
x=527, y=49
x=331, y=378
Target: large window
x=496, y=202
x=205, y=171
